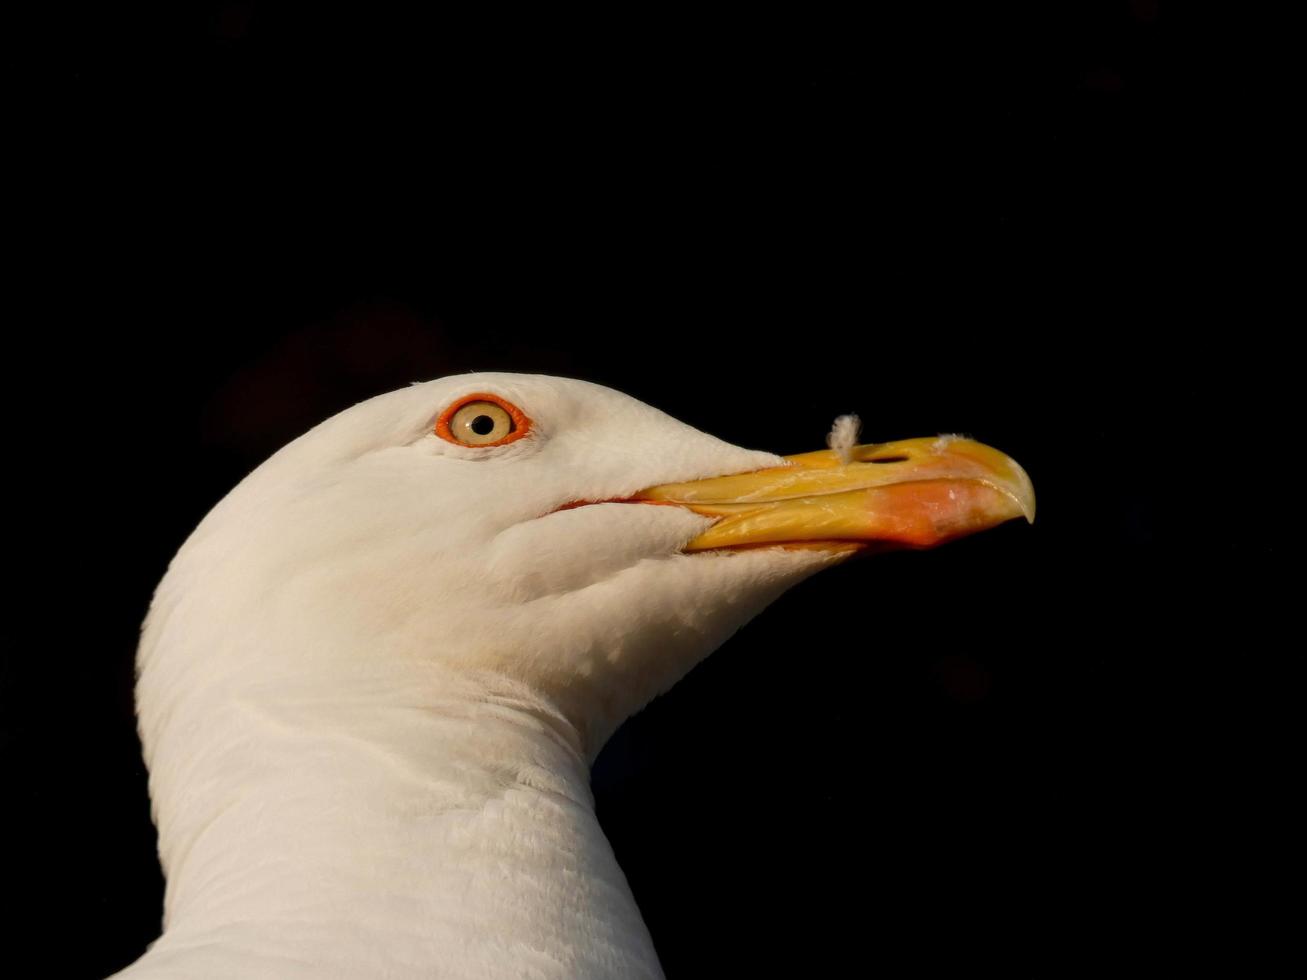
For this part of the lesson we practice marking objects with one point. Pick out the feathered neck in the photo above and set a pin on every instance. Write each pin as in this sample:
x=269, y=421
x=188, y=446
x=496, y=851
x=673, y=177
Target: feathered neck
x=411, y=822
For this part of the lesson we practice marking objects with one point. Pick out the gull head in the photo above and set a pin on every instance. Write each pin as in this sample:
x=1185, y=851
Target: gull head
x=553, y=533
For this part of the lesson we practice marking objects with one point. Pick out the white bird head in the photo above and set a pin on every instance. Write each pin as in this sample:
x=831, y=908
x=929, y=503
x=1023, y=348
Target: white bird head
x=485, y=522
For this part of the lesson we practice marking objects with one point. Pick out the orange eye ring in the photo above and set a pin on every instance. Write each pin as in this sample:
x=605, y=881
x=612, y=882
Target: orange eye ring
x=520, y=423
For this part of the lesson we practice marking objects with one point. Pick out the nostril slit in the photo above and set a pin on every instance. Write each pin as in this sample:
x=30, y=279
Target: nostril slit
x=887, y=459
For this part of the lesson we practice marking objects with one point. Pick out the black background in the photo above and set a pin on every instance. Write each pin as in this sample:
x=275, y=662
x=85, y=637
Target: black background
x=1016, y=223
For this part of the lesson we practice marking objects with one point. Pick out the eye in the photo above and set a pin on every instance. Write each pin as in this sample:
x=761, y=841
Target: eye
x=482, y=420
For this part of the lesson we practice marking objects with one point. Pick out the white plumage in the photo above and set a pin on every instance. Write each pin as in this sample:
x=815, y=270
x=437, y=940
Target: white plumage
x=373, y=679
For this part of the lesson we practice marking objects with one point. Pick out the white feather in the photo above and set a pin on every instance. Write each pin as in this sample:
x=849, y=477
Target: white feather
x=373, y=679
x=843, y=437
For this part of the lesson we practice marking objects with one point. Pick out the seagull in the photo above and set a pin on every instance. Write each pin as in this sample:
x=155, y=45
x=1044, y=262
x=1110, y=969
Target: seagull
x=373, y=679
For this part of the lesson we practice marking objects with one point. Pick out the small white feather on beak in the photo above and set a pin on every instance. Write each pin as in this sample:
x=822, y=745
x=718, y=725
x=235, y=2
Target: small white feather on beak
x=844, y=436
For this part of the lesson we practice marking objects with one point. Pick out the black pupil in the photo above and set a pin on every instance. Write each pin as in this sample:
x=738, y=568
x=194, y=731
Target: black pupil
x=482, y=425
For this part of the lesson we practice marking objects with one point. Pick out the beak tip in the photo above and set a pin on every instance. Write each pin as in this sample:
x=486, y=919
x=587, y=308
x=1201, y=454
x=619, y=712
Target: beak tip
x=1022, y=489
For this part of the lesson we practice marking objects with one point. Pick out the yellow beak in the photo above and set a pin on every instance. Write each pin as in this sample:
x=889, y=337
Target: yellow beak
x=916, y=493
